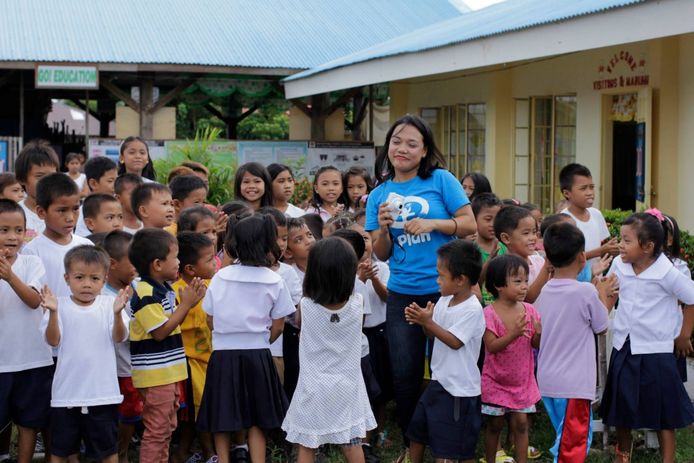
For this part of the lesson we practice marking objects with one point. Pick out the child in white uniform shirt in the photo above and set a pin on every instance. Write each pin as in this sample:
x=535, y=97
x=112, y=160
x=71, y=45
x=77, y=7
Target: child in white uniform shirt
x=58, y=203
x=26, y=365
x=448, y=415
x=644, y=388
x=84, y=328
x=242, y=389
x=36, y=160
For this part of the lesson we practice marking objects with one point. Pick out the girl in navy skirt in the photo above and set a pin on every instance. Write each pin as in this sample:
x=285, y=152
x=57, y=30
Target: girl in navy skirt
x=644, y=389
x=245, y=304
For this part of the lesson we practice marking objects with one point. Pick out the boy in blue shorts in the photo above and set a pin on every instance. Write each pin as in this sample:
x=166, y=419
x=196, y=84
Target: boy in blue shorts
x=448, y=414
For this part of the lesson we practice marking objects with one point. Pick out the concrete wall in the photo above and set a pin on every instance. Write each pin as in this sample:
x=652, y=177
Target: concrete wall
x=670, y=66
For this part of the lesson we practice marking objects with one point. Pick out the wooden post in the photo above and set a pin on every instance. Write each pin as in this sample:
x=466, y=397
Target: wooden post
x=146, y=102
x=371, y=112
x=87, y=115
x=21, y=106
x=319, y=104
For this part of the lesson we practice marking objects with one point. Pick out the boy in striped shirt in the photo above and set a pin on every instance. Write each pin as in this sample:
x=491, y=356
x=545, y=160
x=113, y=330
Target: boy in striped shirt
x=156, y=347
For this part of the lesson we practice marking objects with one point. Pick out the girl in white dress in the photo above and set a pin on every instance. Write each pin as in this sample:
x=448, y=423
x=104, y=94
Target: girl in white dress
x=330, y=404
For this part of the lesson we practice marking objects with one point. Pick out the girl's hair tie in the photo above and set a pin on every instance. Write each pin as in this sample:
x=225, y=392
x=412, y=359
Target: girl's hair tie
x=656, y=213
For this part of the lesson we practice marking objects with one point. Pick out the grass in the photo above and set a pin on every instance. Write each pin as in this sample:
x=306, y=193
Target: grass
x=541, y=436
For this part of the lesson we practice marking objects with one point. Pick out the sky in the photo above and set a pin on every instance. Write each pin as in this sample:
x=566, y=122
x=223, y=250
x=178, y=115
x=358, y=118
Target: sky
x=477, y=4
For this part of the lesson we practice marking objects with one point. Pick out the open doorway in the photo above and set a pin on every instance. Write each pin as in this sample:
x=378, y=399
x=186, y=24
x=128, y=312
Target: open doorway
x=624, y=165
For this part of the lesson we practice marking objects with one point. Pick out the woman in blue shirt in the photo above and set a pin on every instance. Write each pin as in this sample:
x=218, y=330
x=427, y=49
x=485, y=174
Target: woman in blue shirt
x=417, y=207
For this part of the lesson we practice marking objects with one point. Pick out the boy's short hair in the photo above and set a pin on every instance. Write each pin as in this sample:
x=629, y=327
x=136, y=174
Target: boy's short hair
x=54, y=186
x=331, y=271
x=462, y=258
x=568, y=172
x=508, y=218
x=188, y=218
x=97, y=238
x=116, y=243
x=485, y=201
x=7, y=179
x=87, y=254
x=142, y=194
x=499, y=269
x=196, y=167
x=35, y=153
x=314, y=222
x=92, y=204
x=183, y=185
x=178, y=171
x=354, y=238
x=190, y=245
x=294, y=223
x=551, y=220
x=126, y=179
x=148, y=245
x=280, y=218
x=8, y=206
x=96, y=167
x=563, y=243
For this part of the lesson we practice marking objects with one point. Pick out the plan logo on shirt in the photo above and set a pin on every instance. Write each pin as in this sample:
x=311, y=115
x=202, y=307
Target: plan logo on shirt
x=406, y=208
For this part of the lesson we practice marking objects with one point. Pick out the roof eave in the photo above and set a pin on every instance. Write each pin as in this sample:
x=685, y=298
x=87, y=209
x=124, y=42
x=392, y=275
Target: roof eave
x=162, y=67
x=636, y=23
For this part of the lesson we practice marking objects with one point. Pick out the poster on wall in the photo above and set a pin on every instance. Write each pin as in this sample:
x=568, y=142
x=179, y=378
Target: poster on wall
x=641, y=162
x=4, y=156
x=111, y=147
x=291, y=153
x=341, y=155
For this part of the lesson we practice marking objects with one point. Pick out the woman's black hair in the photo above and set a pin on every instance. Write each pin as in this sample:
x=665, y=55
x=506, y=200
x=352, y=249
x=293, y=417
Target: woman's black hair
x=253, y=240
x=148, y=170
x=330, y=272
x=482, y=184
x=256, y=169
x=432, y=161
x=354, y=239
x=648, y=228
x=316, y=200
x=355, y=171
x=499, y=269
x=275, y=169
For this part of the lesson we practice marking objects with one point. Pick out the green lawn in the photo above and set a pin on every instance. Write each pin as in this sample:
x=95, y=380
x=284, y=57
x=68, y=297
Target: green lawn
x=541, y=436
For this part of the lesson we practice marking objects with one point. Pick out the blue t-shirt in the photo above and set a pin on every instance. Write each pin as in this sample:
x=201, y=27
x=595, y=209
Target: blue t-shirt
x=586, y=274
x=413, y=260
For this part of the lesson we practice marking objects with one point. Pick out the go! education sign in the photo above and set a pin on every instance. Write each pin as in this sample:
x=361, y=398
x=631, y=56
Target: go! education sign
x=71, y=77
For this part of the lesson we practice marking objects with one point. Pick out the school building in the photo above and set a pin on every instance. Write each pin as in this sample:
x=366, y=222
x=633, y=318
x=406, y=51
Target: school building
x=521, y=88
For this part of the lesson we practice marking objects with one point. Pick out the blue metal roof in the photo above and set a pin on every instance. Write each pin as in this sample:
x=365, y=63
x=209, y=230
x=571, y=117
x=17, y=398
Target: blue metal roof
x=508, y=16
x=291, y=34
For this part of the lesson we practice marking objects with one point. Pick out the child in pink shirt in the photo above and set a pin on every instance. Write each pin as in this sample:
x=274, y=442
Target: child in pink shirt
x=513, y=329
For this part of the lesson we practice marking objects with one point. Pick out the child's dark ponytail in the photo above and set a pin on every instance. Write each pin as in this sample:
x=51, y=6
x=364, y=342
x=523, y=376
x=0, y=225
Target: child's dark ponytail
x=252, y=240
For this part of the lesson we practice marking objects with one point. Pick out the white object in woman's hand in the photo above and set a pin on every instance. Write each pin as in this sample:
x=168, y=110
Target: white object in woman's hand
x=385, y=216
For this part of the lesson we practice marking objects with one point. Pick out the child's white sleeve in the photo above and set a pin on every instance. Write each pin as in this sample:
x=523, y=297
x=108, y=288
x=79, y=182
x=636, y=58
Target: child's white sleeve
x=36, y=273
x=681, y=286
x=283, y=305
